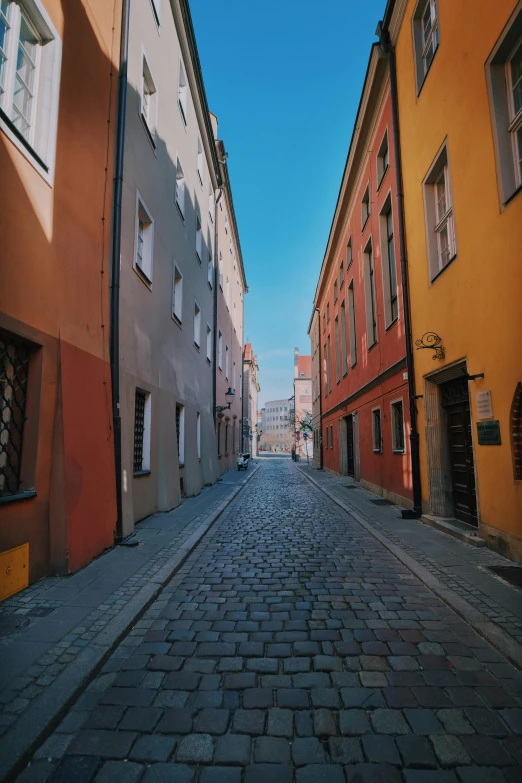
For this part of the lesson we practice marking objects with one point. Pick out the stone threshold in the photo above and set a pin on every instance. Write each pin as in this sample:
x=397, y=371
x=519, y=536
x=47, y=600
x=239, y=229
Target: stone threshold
x=454, y=527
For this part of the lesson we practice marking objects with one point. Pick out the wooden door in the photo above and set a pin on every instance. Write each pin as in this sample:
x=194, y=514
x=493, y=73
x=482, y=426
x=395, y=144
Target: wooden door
x=455, y=400
x=350, y=450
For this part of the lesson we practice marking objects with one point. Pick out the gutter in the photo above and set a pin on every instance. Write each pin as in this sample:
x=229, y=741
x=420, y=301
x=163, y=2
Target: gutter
x=389, y=50
x=320, y=391
x=114, y=327
x=215, y=317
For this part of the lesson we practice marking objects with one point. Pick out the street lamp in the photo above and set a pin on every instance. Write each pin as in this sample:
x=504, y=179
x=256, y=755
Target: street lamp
x=229, y=396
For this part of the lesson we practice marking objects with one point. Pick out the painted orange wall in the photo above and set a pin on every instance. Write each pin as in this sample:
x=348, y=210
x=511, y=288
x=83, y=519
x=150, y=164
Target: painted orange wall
x=54, y=248
x=475, y=304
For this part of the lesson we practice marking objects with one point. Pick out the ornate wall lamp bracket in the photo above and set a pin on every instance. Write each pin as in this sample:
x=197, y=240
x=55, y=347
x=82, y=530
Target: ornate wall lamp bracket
x=433, y=341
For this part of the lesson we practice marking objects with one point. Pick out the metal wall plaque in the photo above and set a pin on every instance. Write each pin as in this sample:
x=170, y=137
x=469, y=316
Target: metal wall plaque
x=489, y=433
x=484, y=408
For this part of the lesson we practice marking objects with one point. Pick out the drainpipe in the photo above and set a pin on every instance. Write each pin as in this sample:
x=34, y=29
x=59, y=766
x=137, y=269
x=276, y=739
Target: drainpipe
x=114, y=339
x=216, y=284
x=320, y=392
x=388, y=49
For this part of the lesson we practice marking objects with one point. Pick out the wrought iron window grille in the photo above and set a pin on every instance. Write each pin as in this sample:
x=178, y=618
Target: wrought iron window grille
x=14, y=375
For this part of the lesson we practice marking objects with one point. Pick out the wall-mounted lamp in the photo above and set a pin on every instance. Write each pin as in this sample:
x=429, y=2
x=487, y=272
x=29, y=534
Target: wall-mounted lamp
x=229, y=396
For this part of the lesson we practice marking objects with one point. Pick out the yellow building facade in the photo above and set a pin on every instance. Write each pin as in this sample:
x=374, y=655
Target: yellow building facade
x=459, y=89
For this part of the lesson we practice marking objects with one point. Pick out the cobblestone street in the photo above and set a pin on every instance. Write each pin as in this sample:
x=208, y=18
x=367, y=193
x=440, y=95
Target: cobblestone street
x=292, y=647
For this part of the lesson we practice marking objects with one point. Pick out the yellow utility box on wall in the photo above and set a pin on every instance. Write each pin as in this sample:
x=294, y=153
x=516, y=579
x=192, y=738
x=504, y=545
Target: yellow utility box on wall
x=14, y=570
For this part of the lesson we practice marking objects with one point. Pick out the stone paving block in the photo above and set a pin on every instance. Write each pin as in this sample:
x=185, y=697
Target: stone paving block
x=307, y=751
x=164, y=663
x=325, y=697
x=251, y=649
x=324, y=723
x=454, y=722
x=195, y=749
x=271, y=750
x=353, y=722
x=168, y=773
x=275, y=773
x=327, y=663
x=292, y=698
x=249, y=721
x=429, y=776
x=152, y=747
x=480, y=775
x=232, y=749
x=345, y=750
x=280, y=723
x=121, y=771
x=220, y=775
x=175, y=721
x=102, y=743
x=80, y=769
x=486, y=722
x=54, y=747
x=416, y=752
x=449, y=750
x=262, y=665
x=373, y=679
x=380, y=749
x=129, y=697
x=182, y=681
x=303, y=724
x=240, y=681
x=212, y=721
x=513, y=718
x=389, y=722
x=173, y=699
x=399, y=697
x=311, y=680
x=142, y=719
x=234, y=664
x=298, y=664
x=257, y=698
x=105, y=717
x=423, y=722
x=373, y=773
x=486, y=751
x=320, y=773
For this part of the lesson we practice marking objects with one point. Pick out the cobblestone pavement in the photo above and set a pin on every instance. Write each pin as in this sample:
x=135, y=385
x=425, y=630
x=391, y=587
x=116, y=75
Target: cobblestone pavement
x=292, y=647
x=457, y=565
x=67, y=613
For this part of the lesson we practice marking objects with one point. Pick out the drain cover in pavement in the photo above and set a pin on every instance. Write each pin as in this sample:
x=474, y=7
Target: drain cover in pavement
x=40, y=611
x=350, y=486
x=512, y=574
x=381, y=502
x=10, y=623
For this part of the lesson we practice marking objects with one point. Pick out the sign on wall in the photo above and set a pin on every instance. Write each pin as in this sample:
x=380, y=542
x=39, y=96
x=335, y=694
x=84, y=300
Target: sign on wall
x=489, y=433
x=484, y=407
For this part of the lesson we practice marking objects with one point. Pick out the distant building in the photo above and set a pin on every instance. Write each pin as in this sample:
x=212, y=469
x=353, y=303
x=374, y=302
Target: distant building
x=276, y=426
x=251, y=390
x=315, y=339
x=303, y=404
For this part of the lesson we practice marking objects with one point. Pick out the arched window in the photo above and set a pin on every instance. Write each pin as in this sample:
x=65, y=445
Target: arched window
x=516, y=432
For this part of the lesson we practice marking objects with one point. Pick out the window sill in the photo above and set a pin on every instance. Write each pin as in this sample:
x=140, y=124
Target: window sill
x=143, y=277
x=210, y=285
x=182, y=216
x=392, y=323
x=30, y=493
x=198, y=258
x=140, y=473
x=341, y=284
x=149, y=134
x=372, y=346
x=177, y=320
x=23, y=145
x=398, y=451
x=441, y=272
x=513, y=195
x=383, y=177
x=377, y=451
x=198, y=347
x=209, y=361
x=181, y=111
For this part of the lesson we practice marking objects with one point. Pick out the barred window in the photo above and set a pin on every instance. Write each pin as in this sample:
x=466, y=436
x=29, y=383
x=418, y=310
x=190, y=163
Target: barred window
x=141, y=431
x=397, y=426
x=14, y=370
x=376, y=430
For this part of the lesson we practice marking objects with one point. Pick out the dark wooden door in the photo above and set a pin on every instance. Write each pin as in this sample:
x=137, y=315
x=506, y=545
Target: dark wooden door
x=455, y=399
x=350, y=446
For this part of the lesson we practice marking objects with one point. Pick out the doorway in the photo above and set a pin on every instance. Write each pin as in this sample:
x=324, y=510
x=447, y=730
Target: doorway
x=350, y=447
x=455, y=402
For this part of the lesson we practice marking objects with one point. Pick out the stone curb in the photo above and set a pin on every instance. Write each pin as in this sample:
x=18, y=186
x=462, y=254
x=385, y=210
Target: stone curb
x=44, y=715
x=489, y=630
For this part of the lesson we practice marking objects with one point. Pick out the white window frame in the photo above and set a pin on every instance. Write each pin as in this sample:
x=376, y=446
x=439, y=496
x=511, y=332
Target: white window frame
x=39, y=145
x=220, y=270
x=156, y=10
x=227, y=361
x=436, y=221
x=210, y=264
x=199, y=235
x=177, y=295
x=181, y=189
x=197, y=326
x=209, y=343
x=377, y=447
x=183, y=93
x=515, y=124
x=143, y=241
x=199, y=161
x=211, y=202
x=422, y=44
x=198, y=434
x=394, y=404
x=365, y=207
x=220, y=350
x=233, y=376
x=390, y=283
x=349, y=253
x=383, y=159
x=148, y=108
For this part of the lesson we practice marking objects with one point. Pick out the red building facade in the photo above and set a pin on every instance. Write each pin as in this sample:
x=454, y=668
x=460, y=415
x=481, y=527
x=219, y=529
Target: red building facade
x=364, y=430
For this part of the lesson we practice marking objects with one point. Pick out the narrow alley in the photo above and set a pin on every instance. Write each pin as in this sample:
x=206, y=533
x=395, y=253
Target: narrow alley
x=292, y=646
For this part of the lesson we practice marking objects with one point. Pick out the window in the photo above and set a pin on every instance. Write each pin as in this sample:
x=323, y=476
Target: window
x=504, y=79
x=325, y=372
x=209, y=343
x=220, y=270
x=220, y=350
x=337, y=350
x=14, y=376
x=365, y=206
x=335, y=292
x=331, y=437
x=144, y=240
x=376, y=430
x=516, y=433
x=210, y=265
x=227, y=293
x=324, y=322
x=425, y=37
x=180, y=433
x=156, y=7
x=211, y=202
x=349, y=255
x=383, y=159
x=233, y=376
x=397, y=424
x=326, y=438
x=329, y=363
x=351, y=318
x=182, y=92
x=199, y=237
x=234, y=317
x=148, y=101
x=328, y=312
x=197, y=325
x=369, y=288
x=341, y=275
x=226, y=224
x=199, y=160
x=226, y=361
x=439, y=215
x=177, y=295
x=344, y=358
x=141, y=432
x=181, y=188
x=30, y=61
x=389, y=270
x=198, y=434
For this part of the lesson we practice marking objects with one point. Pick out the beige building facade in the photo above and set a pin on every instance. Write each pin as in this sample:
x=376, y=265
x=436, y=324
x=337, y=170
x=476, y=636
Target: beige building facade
x=251, y=389
x=303, y=404
x=276, y=426
x=170, y=180
x=315, y=341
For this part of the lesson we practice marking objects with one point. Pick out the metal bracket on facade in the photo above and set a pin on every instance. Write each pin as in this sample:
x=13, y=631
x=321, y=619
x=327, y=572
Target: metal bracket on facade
x=473, y=377
x=433, y=341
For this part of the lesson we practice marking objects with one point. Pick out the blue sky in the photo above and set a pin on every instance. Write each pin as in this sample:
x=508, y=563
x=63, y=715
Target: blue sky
x=284, y=79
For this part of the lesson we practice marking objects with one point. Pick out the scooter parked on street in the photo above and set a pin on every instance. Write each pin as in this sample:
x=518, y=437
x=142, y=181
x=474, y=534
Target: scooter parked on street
x=242, y=461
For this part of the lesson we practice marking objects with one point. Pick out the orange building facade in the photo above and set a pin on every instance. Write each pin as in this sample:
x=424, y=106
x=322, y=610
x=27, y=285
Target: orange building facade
x=359, y=332
x=57, y=130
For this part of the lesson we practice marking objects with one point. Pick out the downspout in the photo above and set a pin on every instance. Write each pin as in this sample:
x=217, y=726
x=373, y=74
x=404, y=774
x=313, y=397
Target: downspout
x=416, y=512
x=216, y=284
x=114, y=338
x=320, y=392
